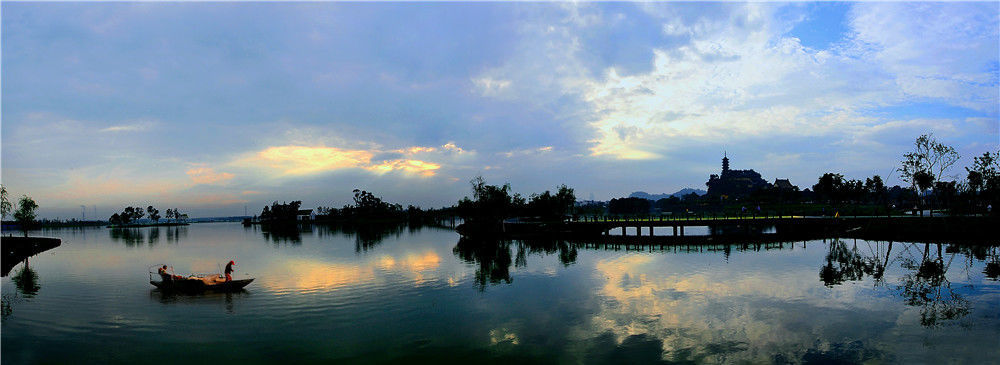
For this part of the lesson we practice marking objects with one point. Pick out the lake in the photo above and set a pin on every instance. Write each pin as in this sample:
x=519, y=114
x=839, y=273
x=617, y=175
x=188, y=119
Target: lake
x=402, y=294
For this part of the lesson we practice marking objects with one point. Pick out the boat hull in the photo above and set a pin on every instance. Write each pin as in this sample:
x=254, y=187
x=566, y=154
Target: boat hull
x=194, y=285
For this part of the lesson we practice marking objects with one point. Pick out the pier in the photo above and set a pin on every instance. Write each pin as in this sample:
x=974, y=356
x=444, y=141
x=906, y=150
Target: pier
x=887, y=227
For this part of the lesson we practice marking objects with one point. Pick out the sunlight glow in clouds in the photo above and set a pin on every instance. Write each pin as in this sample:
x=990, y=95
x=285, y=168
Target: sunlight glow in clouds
x=207, y=175
x=306, y=160
x=300, y=160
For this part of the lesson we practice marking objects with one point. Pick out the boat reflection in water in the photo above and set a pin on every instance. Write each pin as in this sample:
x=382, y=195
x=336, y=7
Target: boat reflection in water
x=199, y=298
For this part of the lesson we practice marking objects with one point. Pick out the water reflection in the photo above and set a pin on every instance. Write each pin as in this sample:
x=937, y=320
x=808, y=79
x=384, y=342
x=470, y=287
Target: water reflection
x=137, y=236
x=176, y=233
x=278, y=234
x=178, y=298
x=845, y=264
x=927, y=287
x=27, y=286
x=26, y=281
x=924, y=284
x=367, y=235
x=493, y=256
x=353, y=294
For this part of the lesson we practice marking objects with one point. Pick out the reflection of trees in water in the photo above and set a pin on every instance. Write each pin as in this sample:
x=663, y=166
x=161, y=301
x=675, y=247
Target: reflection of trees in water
x=928, y=287
x=7, y=304
x=154, y=236
x=26, y=281
x=137, y=236
x=366, y=235
x=989, y=254
x=175, y=233
x=566, y=251
x=280, y=233
x=131, y=237
x=843, y=264
x=493, y=257
x=925, y=284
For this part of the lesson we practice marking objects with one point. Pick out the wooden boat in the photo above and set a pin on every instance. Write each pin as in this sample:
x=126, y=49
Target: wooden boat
x=196, y=283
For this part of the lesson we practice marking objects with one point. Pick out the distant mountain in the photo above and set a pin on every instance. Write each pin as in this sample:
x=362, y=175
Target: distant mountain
x=655, y=197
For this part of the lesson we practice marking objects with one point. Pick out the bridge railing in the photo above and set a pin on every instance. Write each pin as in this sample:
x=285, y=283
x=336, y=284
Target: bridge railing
x=764, y=214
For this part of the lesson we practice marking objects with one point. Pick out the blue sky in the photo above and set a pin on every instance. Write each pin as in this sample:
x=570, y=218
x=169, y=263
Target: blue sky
x=211, y=107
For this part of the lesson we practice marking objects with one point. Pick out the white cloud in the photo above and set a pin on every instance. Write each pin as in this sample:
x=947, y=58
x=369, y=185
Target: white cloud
x=739, y=77
x=942, y=51
x=488, y=86
x=138, y=126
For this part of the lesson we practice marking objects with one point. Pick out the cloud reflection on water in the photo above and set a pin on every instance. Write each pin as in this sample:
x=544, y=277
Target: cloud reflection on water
x=764, y=315
x=301, y=274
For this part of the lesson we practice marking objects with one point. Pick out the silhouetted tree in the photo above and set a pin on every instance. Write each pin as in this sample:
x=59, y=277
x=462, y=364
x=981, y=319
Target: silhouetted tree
x=489, y=206
x=629, y=206
x=367, y=205
x=984, y=178
x=25, y=214
x=154, y=214
x=281, y=213
x=550, y=206
x=876, y=189
x=928, y=162
x=829, y=187
x=5, y=205
x=945, y=192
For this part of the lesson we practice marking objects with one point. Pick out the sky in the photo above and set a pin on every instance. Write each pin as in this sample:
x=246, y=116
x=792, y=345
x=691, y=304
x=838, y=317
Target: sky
x=214, y=108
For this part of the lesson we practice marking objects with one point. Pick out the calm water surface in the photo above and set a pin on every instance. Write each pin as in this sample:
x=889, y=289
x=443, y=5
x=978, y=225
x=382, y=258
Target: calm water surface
x=421, y=295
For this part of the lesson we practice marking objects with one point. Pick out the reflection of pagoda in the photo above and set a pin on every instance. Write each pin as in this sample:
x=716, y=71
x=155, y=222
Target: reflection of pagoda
x=734, y=183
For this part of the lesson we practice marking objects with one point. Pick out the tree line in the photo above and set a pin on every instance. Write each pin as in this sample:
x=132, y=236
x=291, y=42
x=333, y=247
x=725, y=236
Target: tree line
x=491, y=204
x=131, y=215
x=925, y=169
x=25, y=213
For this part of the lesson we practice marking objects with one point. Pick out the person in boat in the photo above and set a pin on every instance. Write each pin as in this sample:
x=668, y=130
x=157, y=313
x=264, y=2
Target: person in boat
x=163, y=273
x=229, y=270
x=166, y=275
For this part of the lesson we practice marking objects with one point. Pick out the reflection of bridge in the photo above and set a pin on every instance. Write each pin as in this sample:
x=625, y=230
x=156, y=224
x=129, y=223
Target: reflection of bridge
x=922, y=227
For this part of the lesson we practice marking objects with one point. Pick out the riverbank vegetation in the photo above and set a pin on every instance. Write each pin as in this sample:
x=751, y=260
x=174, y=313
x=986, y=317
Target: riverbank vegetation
x=131, y=216
x=490, y=205
x=367, y=209
x=24, y=216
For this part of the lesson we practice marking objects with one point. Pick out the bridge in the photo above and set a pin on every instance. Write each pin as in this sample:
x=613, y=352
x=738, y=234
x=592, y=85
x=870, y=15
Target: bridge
x=914, y=226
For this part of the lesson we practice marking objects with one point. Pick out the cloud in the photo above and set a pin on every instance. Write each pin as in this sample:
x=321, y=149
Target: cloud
x=450, y=146
x=526, y=152
x=133, y=127
x=941, y=51
x=488, y=86
x=208, y=175
x=309, y=160
x=412, y=166
x=301, y=160
x=730, y=73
